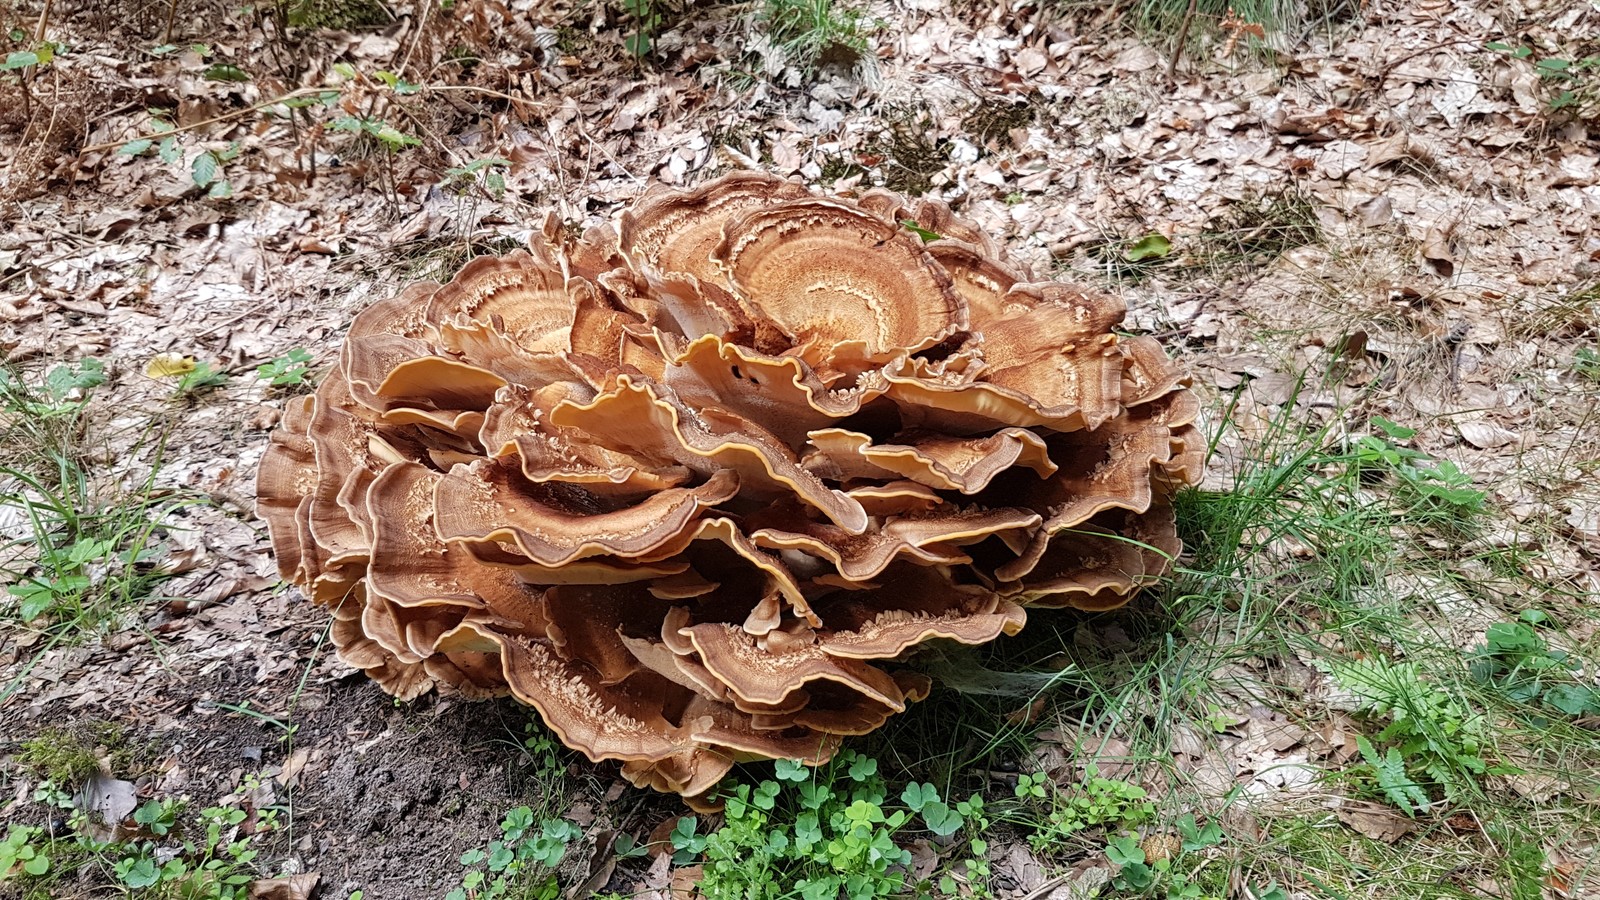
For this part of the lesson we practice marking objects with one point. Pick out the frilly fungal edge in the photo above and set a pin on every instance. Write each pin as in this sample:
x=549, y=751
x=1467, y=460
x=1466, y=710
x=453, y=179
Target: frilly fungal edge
x=690, y=486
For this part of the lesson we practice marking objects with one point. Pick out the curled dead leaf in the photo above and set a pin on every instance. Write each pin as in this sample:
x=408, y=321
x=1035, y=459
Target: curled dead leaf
x=1436, y=251
x=169, y=365
x=1375, y=820
x=1487, y=435
x=289, y=887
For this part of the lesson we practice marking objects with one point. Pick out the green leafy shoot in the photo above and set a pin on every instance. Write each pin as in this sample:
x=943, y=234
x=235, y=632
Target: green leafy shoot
x=1151, y=246
x=521, y=863
x=289, y=370
x=821, y=834
x=1517, y=659
x=202, y=378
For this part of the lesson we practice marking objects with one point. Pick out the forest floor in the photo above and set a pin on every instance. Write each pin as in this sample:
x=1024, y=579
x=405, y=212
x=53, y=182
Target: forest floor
x=1368, y=229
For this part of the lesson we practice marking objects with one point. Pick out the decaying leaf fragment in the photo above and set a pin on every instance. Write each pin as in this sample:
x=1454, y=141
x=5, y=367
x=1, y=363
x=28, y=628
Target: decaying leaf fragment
x=691, y=486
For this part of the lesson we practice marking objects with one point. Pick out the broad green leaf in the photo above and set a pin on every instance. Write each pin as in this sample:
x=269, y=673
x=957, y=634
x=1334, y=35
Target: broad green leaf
x=226, y=72
x=863, y=768
x=784, y=769
x=1151, y=246
x=941, y=819
x=1394, y=430
x=142, y=874
x=204, y=170
x=396, y=138
x=916, y=796
x=35, y=599
x=1124, y=850
x=1573, y=699
x=134, y=148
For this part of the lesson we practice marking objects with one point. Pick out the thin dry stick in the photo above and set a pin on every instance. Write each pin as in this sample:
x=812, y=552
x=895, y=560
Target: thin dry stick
x=298, y=92
x=474, y=89
x=1183, y=37
x=172, y=13
x=44, y=19
x=26, y=75
x=422, y=24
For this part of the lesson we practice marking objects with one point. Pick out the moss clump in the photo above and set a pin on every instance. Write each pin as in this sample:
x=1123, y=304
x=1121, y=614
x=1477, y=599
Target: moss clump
x=993, y=121
x=912, y=155
x=68, y=756
x=1260, y=228
x=340, y=15
x=836, y=166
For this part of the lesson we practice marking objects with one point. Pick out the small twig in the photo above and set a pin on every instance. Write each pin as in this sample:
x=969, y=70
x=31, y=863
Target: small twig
x=26, y=75
x=473, y=89
x=44, y=19
x=224, y=324
x=172, y=13
x=1183, y=38
x=1044, y=890
x=156, y=135
x=1391, y=65
x=422, y=24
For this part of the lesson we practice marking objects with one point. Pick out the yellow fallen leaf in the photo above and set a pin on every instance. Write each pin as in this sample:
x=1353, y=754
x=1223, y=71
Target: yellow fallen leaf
x=169, y=365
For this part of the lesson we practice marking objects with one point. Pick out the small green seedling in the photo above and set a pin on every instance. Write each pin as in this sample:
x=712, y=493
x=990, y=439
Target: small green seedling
x=288, y=370
x=202, y=378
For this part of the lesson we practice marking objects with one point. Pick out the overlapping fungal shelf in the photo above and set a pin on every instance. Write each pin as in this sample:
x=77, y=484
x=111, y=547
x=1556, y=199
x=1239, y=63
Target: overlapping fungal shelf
x=691, y=485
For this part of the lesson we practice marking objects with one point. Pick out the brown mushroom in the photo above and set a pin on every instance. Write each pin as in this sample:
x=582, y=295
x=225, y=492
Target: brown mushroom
x=695, y=488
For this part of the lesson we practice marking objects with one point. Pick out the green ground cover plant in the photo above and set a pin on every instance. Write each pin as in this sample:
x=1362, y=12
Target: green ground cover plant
x=521, y=864
x=86, y=544
x=812, y=32
x=174, y=854
x=823, y=833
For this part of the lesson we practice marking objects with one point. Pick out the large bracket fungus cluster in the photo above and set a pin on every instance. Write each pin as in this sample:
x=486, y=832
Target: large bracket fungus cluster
x=690, y=485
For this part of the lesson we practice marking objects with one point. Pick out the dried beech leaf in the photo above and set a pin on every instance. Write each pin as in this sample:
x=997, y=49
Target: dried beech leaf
x=169, y=365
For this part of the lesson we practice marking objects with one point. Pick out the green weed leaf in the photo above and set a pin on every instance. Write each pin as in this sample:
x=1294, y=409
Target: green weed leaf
x=1573, y=699
x=140, y=873
x=790, y=770
x=1124, y=851
x=204, y=170
x=921, y=232
x=941, y=819
x=226, y=72
x=916, y=796
x=1151, y=246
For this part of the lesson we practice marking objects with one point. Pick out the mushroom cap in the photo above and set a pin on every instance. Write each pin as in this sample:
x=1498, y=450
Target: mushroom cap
x=696, y=488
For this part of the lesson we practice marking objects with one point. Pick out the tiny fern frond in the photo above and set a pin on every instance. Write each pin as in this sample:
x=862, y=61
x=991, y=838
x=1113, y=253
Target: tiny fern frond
x=1396, y=784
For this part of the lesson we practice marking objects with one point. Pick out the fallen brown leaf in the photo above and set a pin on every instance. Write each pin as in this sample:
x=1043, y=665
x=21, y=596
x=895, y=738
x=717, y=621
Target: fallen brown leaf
x=1436, y=251
x=686, y=883
x=1375, y=821
x=291, y=887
